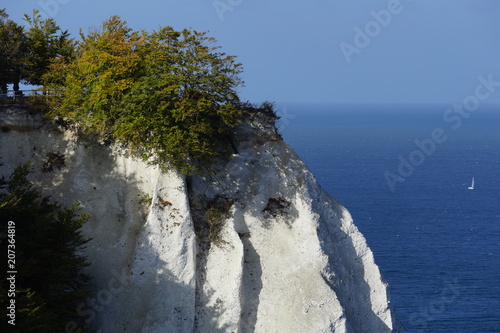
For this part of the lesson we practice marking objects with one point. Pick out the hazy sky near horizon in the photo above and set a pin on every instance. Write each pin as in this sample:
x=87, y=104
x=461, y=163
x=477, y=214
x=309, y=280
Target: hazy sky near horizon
x=324, y=50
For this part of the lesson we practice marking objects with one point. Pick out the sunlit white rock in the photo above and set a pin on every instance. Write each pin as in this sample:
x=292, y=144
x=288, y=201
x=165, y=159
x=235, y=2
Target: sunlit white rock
x=291, y=259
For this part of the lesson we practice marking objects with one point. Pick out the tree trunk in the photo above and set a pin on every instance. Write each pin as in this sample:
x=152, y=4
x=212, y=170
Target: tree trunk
x=16, y=84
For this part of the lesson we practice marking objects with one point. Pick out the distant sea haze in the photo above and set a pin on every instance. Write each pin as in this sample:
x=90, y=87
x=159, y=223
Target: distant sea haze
x=436, y=241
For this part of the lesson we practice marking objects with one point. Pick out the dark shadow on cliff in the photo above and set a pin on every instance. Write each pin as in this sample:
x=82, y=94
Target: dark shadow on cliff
x=251, y=276
x=90, y=175
x=345, y=272
x=125, y=288
x=202, y=296
x=251, y=287
x=206, y=191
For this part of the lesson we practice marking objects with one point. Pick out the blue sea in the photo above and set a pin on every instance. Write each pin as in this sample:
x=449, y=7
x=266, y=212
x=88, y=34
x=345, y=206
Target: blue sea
x=403, y=172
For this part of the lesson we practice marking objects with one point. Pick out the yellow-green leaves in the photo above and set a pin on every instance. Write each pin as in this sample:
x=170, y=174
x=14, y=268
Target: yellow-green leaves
x=46, y=42
x=168, y=95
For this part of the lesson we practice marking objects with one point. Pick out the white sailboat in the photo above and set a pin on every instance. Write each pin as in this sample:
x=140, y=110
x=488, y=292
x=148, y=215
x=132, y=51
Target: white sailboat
x=472, y=185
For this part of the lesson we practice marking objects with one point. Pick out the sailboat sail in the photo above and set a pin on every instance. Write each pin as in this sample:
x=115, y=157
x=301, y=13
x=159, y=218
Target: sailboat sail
x=472, y=185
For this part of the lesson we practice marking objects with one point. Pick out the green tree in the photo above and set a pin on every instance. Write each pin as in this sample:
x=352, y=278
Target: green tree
x=45, y=42
x=13, y=45
x=169, y=95
x=187, y=97
x=94, y=84
x=49, y=280
x=25, y=54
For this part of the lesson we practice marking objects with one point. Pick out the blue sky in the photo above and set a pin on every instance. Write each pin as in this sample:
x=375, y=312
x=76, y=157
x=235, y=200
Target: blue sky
x=324, y=50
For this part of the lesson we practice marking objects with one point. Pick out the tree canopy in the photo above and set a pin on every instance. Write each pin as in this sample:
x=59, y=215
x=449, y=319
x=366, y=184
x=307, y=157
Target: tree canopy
x=169, y=96
x=45, y=43
x=12, y=51
x=27, y=52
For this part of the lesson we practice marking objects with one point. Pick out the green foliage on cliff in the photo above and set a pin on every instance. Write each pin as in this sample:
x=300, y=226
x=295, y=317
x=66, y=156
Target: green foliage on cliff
x=45, y=238
x=169, y=96
x=12, y=51
x=46, y=42
x=27, y=51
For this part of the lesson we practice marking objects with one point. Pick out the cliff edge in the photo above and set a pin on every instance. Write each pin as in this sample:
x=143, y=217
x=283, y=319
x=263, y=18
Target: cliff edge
x=256, y=245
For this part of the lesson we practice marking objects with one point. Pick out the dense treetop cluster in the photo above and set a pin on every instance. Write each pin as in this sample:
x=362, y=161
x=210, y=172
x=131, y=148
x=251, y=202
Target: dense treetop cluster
x=168, y=96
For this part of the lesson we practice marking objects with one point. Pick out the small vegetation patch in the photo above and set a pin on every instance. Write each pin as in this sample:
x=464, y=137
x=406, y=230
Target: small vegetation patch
x=215, y=217
x=54, y=160
x=276, y=207
x=144, y=203
x=209, y=218
x=144, y=199
x=161, y=204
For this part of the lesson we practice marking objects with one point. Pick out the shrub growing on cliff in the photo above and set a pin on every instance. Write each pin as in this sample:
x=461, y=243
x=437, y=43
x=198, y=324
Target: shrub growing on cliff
x=169, y=96
x=49, y=282
x=215, y=216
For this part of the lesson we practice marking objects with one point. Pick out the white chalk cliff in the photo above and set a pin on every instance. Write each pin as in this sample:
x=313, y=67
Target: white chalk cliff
x=289, y=259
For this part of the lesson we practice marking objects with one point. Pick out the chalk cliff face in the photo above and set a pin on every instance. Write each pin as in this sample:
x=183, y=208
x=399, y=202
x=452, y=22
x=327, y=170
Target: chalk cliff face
x=288, y=256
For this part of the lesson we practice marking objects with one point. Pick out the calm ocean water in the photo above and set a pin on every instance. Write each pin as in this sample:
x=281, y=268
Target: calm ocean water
x=437, y=242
